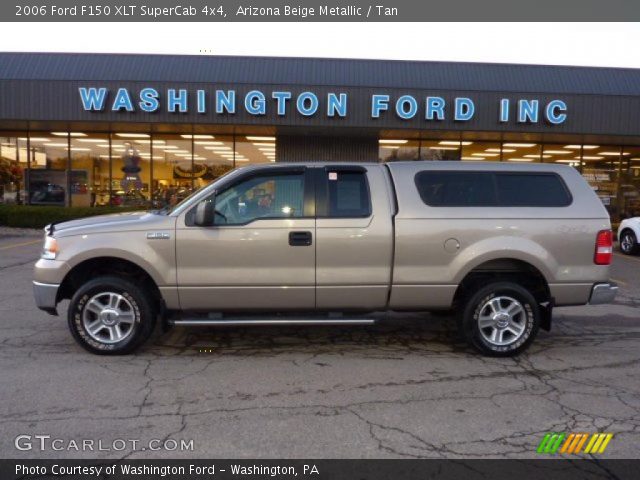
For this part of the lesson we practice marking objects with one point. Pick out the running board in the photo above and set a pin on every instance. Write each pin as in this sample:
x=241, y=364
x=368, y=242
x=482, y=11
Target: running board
x=274, y=321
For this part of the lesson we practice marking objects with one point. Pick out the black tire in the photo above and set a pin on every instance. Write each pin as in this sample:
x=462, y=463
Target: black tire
x=478, y=308
x=134, y=302
x=628, y=242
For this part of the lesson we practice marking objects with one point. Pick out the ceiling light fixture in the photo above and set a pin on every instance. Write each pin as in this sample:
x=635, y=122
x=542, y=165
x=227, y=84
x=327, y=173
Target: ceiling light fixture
x=261, y=139
x=132, y=135
x=71, y=134
x=519, y=145
x=454, y=142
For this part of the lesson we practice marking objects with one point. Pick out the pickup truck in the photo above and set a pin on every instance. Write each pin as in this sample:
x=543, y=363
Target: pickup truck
x=497, y=245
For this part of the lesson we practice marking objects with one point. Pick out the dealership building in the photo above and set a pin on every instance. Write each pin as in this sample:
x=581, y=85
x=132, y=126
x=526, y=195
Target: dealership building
x=136, y=130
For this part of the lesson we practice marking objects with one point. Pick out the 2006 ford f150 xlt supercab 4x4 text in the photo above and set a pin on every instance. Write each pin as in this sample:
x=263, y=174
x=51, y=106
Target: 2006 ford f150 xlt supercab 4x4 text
x=499, y=245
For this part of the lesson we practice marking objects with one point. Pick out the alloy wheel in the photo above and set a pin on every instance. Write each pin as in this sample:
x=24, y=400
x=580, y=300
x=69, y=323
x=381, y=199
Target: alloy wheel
x=109, y=317
x=502, y=320
x=627, y=243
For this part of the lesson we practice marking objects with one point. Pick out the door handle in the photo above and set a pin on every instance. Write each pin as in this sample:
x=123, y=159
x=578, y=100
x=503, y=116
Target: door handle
x=300, y=239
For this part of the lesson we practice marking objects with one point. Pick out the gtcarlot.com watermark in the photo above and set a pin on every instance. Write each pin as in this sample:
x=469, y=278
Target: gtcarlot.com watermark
x=45, y=443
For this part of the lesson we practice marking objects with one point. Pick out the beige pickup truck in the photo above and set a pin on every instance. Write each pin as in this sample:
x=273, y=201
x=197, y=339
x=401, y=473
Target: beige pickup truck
x=498, y=245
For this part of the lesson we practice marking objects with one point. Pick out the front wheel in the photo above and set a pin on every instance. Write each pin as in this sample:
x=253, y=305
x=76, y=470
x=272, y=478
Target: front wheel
x=111, y=316
x=628, y=242
x=500, y=319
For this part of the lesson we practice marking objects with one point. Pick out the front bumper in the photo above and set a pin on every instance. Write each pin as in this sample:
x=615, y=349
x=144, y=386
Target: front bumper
x=46, y=295
x=603, y=293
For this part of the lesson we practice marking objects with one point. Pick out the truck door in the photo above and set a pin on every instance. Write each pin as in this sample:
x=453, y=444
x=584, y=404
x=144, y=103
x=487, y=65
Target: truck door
x=260, y=253
x=354, y=230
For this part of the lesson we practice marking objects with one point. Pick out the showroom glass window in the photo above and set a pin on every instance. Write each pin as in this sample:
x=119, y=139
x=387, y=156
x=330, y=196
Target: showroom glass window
x=557, y=153
x=629, y=192
x=130, y=169
x=600, y=167
x=213, y=157
x=49, y=167
x=173, y=169
x=478, y=151
x=440, y=150
x=89, y=176
x=521, y=152
x=251, y=149
x=13, y=167
x=395, y=150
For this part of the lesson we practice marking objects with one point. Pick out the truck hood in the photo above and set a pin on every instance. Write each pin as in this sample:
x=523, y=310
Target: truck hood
x=120, y=222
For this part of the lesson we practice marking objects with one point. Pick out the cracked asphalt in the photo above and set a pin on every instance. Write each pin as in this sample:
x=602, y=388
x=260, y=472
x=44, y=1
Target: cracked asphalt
x=404, y=388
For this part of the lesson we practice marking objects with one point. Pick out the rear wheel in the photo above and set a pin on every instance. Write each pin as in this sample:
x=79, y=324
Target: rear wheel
x=111, y=316
x=628, y=242
x=500, y=319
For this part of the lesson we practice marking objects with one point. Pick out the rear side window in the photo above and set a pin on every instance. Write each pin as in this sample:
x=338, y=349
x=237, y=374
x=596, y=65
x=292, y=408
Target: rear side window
x=482, y=189
x=456, y=189
x=348, y=194
x=531, y=190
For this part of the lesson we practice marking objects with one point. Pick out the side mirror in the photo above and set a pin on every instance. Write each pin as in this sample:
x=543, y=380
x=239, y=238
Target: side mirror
x=205, y=213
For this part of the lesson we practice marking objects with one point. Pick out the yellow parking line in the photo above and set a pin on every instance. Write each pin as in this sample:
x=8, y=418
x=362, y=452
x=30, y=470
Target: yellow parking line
x=23, y=244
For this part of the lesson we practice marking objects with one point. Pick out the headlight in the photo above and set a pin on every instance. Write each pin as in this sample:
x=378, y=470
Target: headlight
x=50, y=249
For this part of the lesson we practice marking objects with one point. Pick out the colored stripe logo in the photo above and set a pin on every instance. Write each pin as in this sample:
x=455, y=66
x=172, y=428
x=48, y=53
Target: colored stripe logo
x=573, y=443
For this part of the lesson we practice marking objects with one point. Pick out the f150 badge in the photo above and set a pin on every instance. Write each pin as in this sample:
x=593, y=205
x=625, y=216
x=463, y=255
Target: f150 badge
x=158, y=236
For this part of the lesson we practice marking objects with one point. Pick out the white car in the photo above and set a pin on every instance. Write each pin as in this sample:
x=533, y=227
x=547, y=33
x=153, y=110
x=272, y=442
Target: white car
x=628, y=235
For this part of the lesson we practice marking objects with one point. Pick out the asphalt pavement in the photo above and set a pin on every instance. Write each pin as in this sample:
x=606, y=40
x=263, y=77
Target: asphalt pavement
x=404, y=388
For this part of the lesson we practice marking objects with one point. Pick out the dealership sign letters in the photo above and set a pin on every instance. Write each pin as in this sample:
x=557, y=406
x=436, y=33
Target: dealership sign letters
x=309, y=104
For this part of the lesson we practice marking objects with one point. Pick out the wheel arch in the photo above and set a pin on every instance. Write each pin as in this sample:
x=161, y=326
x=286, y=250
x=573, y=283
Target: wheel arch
x=635, y=231
x=106, y=265
x=507, y=268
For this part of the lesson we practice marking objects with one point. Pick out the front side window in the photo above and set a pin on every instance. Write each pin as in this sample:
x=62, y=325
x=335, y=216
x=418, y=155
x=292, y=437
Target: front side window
x=268, y=196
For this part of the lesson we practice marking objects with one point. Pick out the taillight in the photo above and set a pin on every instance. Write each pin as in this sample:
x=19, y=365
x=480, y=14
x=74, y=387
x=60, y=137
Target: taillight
x=604, y=248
